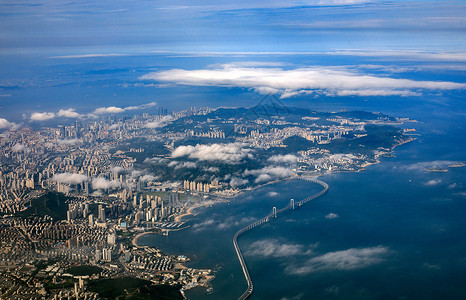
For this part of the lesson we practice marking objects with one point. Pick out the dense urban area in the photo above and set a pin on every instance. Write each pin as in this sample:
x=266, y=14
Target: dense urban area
x=75, y=197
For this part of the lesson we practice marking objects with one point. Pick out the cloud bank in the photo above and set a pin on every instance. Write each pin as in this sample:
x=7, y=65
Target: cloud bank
x=229, y=153
x=71, y=112
x=321, y=80
x=159, y=123
x=101, y=183
x=117, y=110
x=43, y=116
x=69, y=178
x=268, y=173
x=273, y=248
x=5, y=124
x=350, y=259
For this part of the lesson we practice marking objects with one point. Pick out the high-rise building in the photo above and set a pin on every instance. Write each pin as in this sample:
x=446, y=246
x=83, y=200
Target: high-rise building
x=102, y=217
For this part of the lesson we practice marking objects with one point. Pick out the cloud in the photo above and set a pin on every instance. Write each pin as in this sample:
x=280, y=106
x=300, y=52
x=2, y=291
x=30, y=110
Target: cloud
x=89, y=55
x=273, y=248
x=331, y=216
x=108, y=110
x=316, y=79
x=44, y=116
x=203, y=225
x=68, y=113
x=350, y=259
x=69, y=178
x=235, y=181
x=433, y=182
x=229, y=153
x=212, y=169
x=268, y=173
x=430, y=165
x=272, y=194
x=69, y=141
x=117, y=169
x=103, y=184
x=148, y=177
x=159, y=123
x=5, y=124
x=405, y=54
x=117, y=110
x=18, y=147
x=287, y=159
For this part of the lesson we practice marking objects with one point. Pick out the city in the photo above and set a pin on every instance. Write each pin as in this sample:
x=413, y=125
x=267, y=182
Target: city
x=75, y=198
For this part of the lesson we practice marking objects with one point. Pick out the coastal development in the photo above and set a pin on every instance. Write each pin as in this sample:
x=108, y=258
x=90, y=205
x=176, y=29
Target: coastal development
x=76, y=197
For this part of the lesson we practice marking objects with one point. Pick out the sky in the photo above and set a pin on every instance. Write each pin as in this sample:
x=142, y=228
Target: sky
x=79, y=59
x=317, y=25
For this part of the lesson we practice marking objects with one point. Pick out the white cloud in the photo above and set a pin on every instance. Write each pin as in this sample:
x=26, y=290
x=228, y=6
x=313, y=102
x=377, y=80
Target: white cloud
x=69, y=141
x=229, y=153
x=212, y=169
x=274, y=248
x=331, y=216
x=18, y=147
x=405, y=54
x=272, y=194
x=117, y=169
x=180, y=165
x=268, y=173
x=5, y=124
x=159, y=123
x=148, y=177
x=117, y=110
x=235, y=181
x=44, y=116
x=68, y=113
x=263, y=178
x=287, y=159
x=142, y=106
x=90, y=55
x=350, y=259
x=430, y=165
x=102, y=183
x=433, y=182
x=108, y=110
x=69, y=178
x=316, y=79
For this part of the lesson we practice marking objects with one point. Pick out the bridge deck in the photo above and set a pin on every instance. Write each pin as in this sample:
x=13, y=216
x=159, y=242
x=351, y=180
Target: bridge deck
x=265, y=219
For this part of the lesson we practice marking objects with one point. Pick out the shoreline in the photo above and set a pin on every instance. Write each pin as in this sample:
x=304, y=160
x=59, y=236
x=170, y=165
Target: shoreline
x=134, y=241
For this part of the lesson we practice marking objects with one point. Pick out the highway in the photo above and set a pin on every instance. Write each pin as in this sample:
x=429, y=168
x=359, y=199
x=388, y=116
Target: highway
x=273, y=214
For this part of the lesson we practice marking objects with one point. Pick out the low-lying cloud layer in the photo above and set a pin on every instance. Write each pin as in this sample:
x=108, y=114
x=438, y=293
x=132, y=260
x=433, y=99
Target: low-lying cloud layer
x=5, y=124
x=268, y=173
x=229, y=153
x=71, y=112
x=159, y=123
x=274, y=248
x=337, y=81
x=69, y=178
x=350, y=259
x=103, y=184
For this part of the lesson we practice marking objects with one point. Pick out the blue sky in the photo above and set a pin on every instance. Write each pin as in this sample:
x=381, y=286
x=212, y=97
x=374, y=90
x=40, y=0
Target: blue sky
x=140, y=26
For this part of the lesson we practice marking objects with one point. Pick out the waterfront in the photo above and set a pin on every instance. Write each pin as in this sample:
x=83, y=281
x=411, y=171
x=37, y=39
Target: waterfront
x=391, y=231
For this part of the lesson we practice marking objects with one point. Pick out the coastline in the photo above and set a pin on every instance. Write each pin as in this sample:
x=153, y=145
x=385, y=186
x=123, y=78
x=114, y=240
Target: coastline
x=134, y=241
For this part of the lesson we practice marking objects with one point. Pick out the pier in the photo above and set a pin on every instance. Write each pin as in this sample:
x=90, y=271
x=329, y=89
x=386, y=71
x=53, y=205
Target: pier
x=273, y=214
